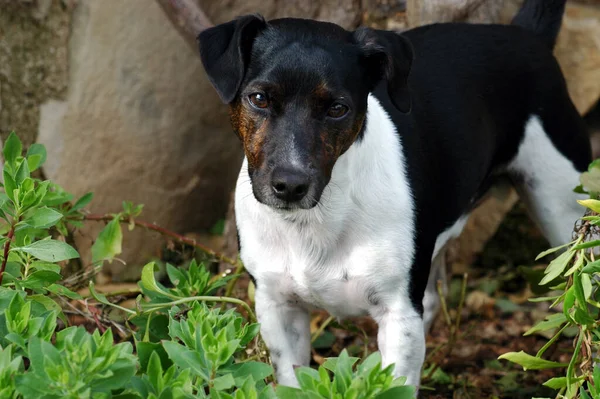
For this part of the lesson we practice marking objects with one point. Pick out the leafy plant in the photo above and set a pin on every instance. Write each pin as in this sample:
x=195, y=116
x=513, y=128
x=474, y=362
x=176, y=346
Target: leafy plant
x=78, y=365
x=178, y=341
x=576, y=273
x=368, y=380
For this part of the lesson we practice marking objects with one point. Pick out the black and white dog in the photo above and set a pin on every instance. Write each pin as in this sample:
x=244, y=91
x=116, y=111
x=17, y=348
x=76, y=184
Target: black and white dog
x=367, y=150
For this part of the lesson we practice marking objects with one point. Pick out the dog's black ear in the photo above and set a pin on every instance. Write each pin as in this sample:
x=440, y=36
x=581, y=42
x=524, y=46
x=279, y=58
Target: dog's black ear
x=225, y=51
x=387, y=55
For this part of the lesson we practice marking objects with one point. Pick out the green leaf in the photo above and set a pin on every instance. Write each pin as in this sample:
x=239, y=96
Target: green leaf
x=584, y=394
x=582, y=317
x=223, y=382
x=108, y=243
x=63, y=291
x=12, y=148
x=22, y=173
x=40, y=278
x=552, y=250
x=557, y=266
x=529, y=362
x=148, y=282
x=82, y=202
x=40, y=265
x=592, y=267
x=47, y=302
x=9, y=185
x=240, y=371
x=218, y=228
x=552, y=321
x=285, y=392
x=36, y=156
x=556, y=383
x=568, y=302
x=592, y=204
x=325, y=340
x=49, y=250
x=186, y=359
x=588, y=244
x=146, y=350
x=401, y=392
x=43, y=218
x=579, y=293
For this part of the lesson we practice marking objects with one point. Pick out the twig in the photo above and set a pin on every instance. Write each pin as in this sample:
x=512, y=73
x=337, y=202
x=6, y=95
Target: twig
x=9, y=237
x=443, y=303
x=117, y=293
x=168, y=233
x=453, y=327
x=251, y=316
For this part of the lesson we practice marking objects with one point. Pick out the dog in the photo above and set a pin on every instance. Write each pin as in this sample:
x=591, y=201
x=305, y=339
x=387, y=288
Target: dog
x=366, y=151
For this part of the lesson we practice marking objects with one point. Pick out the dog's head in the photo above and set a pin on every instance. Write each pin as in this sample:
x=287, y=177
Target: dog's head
x=297, y=91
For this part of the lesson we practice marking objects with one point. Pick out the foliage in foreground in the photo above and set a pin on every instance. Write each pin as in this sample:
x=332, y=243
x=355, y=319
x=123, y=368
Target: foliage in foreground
x=574, y=280
x=178, y=344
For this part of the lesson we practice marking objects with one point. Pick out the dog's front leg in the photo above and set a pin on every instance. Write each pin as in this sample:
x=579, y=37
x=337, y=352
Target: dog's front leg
x=285, y=328
x=401, y=341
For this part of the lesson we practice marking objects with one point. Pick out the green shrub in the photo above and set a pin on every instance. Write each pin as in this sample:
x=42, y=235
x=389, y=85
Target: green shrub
x=575, y=279
x=181, y=341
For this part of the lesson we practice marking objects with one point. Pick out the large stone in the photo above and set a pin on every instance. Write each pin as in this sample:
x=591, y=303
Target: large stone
x=33, y=61
x=141, y=122
x=422, y=12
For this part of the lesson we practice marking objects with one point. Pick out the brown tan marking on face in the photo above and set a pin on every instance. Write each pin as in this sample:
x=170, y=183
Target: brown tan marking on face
x=321, y=91
x=252, y=132
x=336, y=143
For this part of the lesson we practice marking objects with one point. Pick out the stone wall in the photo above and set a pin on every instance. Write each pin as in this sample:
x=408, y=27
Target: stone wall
x=33, y=61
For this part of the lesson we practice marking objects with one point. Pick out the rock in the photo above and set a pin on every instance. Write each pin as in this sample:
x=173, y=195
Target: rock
x=481, y=226
x=33, y=62
x=578, y=52
x=422, y=12
x=141, y=123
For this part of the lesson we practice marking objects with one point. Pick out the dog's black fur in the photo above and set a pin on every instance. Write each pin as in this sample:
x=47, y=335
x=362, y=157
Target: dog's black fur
x=459, y=96
x=473, y=89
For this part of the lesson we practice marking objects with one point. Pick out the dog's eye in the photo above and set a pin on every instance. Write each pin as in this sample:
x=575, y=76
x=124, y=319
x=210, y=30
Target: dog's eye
x=337, y=110
x=259, y=100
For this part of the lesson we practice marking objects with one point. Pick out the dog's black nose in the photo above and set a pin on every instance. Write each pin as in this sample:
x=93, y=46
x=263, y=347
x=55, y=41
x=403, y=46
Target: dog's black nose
x=289, y=185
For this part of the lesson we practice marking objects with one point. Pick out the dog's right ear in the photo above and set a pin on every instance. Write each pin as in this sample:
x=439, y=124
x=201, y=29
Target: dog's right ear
x=225, y=51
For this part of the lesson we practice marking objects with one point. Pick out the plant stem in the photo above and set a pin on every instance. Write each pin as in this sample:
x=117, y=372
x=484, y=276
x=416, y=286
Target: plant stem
x=235, y=301
x=9, y=237
x=168, y=233
x=551, y=340
x=453, y=327
x=117, y=293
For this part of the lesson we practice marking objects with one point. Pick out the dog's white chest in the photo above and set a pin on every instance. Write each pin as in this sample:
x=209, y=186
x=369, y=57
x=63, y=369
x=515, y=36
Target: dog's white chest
x=354, y=249
x=345, y=283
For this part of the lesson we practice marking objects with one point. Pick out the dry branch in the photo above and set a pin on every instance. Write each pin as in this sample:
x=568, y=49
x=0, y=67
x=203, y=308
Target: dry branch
x=187, y=17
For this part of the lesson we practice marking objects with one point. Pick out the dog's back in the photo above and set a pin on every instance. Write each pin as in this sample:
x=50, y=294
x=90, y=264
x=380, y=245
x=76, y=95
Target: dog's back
x=367, y=150
x=474, y=88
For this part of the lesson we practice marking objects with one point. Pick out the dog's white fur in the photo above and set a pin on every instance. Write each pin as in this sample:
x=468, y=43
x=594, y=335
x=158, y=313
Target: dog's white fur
x=351, y=255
